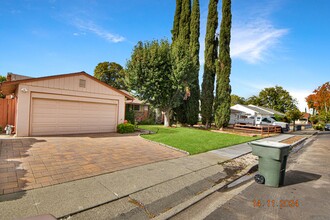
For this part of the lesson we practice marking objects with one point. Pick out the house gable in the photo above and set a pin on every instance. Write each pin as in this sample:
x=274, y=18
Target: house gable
x=79, y=82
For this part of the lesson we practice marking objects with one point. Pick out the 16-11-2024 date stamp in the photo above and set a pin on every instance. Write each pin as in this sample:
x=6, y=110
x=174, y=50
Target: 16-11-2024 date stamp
x=283, y=203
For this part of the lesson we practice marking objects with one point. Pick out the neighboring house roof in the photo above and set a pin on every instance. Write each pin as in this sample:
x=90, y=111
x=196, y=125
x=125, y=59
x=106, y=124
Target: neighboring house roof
x=305, y=115
x=236, y=111
x=14, y=77
x=135, y=101
x=9, y=87
x=268, y=110
x=258, y=110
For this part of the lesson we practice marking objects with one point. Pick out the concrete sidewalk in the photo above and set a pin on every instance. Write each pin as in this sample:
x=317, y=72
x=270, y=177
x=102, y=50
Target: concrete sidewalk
x=140, y=193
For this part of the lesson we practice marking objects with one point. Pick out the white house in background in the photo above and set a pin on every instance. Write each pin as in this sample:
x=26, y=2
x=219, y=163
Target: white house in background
x=248, y=113
x=272, y=111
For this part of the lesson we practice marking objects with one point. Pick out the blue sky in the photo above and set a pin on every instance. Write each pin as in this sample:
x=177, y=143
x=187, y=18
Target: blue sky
x=274, y=42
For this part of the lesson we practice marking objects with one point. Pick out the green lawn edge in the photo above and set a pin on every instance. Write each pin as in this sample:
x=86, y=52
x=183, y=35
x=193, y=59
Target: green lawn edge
x=193, y=140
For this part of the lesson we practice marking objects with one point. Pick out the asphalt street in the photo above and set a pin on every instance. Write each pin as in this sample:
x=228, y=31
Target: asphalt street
x=305, y=194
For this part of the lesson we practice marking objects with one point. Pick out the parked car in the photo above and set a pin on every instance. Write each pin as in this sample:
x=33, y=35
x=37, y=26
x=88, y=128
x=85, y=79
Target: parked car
x=327, y=127
x=271, y=121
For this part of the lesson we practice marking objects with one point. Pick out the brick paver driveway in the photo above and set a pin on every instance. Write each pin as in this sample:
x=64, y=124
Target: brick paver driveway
x=27, y=163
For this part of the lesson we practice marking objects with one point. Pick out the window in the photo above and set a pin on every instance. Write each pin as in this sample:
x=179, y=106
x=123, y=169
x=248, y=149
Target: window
x=266, y=120
x=82, y=83
x=136, y=107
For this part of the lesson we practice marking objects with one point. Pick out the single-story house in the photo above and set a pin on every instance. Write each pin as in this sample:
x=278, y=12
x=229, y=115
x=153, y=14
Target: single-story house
x=65, y=104
x=251, y=110
x=304, y=119
x=271, y=111
x=141, y=108
x=247, y=113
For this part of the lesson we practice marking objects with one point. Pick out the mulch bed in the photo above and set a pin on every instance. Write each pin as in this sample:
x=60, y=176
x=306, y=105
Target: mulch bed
x=292, y=140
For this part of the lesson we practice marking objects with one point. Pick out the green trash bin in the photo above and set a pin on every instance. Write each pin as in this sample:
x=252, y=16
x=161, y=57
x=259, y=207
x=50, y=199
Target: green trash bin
x=272, y=161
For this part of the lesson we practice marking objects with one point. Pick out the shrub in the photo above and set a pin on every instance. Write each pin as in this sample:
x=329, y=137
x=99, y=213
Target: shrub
x=319, y=126
x=314, y=119
x=125, y=128
x=129, y=116
x=149, y=121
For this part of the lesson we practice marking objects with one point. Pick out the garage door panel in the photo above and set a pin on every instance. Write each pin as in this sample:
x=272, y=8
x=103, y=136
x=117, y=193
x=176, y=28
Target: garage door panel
x=51, y=117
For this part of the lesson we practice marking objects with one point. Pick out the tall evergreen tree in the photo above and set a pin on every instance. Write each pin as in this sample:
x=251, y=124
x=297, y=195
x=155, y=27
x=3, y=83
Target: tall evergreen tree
x=210, y=56
x=182, y=63
x=223, y=90
x=176, y=22
x=184, y=24
x=192, y=108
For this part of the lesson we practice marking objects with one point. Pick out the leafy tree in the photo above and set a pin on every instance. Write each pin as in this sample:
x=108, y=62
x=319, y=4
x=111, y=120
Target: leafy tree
x=324, y=117
x=293, y=115
x=3, y=79
x=320, y=99
x=280, y=117
x=235, y=99
x=223, y=89
x=112, y=74
x=192, y=104
x=210, y=56
x=253, y=100
x=151, y=76
x=277, y=98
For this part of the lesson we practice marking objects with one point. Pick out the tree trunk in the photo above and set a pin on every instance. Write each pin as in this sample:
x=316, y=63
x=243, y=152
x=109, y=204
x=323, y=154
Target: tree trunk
x=207, y=124
x=294, y=125
x=167, y=118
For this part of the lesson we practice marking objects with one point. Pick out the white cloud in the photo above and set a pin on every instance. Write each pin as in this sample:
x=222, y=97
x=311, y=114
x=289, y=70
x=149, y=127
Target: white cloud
x=300, y=95
x=253, y=42
x=254, y=37
x=93, y=28
x=79, y=33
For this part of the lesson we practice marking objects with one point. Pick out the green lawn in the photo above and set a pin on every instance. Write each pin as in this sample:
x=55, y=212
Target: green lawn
x=193, y=140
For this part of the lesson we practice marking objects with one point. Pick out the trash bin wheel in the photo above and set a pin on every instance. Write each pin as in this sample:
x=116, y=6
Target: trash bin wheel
x=259, y=179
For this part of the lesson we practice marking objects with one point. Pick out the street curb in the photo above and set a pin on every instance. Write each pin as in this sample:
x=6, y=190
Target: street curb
x=303, y=139
x=300, y=141
x=181, y=207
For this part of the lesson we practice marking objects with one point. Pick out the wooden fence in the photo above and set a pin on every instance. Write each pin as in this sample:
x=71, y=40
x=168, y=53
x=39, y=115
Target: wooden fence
x=262, y=129
x=7, y=112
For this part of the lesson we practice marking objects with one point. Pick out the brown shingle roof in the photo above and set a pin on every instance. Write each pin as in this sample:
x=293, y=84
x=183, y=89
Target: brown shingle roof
x=135, y=100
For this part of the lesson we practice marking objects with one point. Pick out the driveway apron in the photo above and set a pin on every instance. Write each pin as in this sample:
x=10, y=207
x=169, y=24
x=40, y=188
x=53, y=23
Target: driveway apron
x=29, y=163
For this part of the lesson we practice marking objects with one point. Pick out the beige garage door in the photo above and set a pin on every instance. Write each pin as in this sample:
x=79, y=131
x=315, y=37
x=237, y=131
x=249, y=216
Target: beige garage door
x=51, y=117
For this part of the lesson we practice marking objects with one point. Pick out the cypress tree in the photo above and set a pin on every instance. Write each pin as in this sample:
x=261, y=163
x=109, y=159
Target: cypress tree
x=176, y=22
x=182, y=63
x=222, y=103
x=210, y=56
x=184, y=24
x=192, y=104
